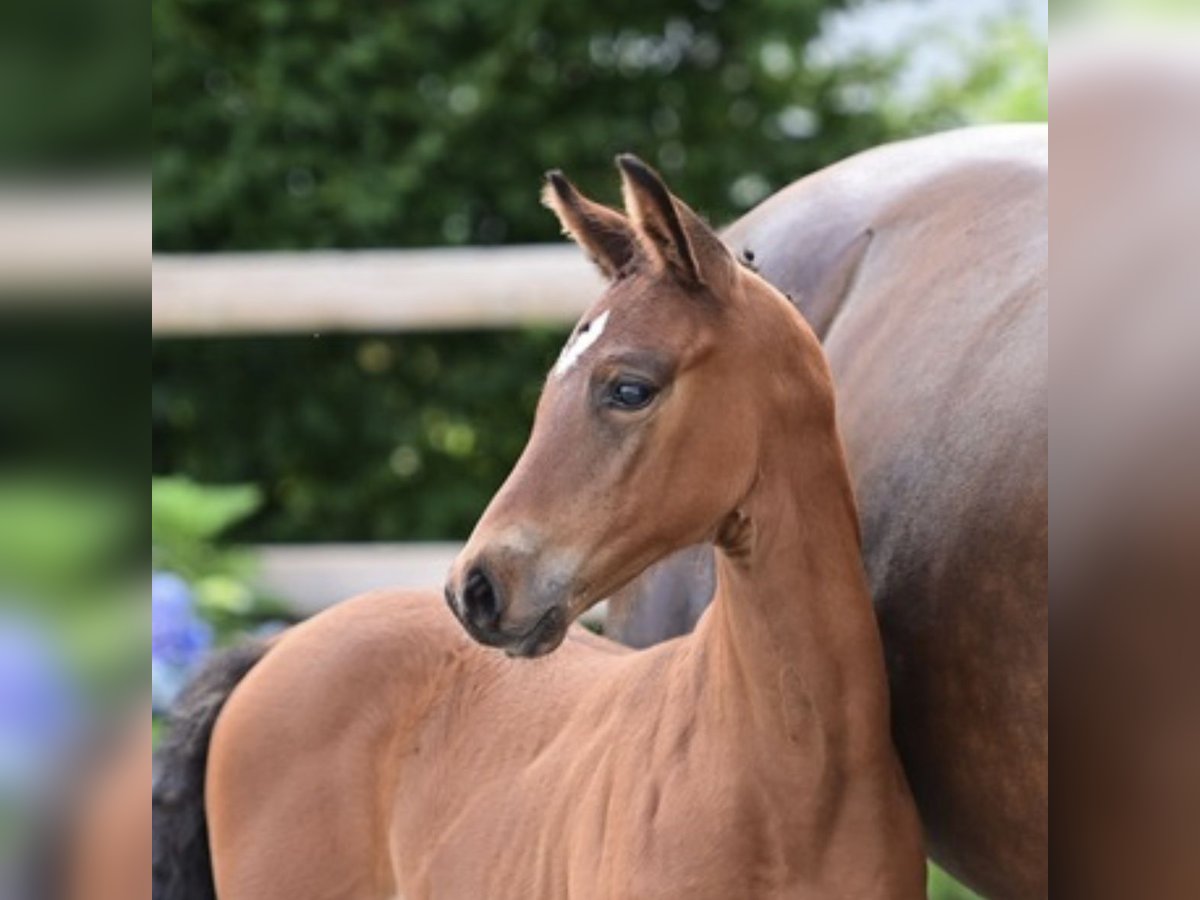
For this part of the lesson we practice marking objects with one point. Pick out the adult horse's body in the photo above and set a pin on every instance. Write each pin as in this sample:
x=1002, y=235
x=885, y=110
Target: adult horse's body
x=923, y=268
x=375, y=751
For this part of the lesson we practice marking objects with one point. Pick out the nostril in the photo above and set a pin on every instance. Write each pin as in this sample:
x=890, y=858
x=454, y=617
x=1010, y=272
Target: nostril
x=479, y=598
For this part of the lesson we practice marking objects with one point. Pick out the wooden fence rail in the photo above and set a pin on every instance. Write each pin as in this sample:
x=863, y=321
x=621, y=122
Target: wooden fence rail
x=370, y=290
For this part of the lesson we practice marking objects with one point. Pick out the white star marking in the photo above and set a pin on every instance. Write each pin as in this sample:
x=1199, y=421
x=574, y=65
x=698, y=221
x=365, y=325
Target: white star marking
x=580, y=345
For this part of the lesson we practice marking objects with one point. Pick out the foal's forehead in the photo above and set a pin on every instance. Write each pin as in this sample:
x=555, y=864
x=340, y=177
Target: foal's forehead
x=629, y=317
x=586, y=336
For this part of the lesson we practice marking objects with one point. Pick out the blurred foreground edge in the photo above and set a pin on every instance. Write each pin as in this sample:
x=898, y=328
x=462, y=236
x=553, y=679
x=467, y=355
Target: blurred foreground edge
x=1125, y=486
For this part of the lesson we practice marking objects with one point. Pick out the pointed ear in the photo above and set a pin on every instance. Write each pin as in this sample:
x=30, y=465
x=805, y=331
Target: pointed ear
x=603, y=233
x=670, y=231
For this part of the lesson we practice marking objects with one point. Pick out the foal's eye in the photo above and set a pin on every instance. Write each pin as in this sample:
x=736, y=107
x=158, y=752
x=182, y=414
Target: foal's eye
x=630, y=394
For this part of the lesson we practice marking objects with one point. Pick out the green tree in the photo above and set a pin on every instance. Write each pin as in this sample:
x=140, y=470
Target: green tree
x=317, y=123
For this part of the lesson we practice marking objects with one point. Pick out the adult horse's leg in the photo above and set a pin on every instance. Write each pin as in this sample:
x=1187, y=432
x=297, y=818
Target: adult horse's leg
x=666, y=601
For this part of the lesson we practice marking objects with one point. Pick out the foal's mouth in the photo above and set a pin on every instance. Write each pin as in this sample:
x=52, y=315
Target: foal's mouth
x=544, y=636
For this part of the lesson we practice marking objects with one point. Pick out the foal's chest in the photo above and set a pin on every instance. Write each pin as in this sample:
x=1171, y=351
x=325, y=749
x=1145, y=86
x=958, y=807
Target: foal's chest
x=611, y=830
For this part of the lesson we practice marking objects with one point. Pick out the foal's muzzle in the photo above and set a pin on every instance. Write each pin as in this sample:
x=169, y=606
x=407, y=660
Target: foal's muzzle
x=480, y=603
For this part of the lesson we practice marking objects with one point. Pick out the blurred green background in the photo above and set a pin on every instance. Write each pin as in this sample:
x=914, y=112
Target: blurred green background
x=303, y=124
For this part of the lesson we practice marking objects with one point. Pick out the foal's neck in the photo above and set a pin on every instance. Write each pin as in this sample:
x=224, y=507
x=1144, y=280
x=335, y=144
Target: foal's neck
x=792, y=632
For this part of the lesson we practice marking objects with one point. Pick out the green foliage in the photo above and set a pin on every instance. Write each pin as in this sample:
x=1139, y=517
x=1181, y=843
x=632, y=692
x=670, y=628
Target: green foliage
x=187, y=521
x=1006, y=82
x=57, y=536
x=313, y=124
x=72, y=93
x=63, y=552
x=180, y=509
x=391, y=438
x=187, y=518
x=942, y=887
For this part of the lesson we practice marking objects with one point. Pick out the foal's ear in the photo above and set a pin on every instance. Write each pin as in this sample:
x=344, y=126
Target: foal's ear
x=603, y=233
x=670, y=231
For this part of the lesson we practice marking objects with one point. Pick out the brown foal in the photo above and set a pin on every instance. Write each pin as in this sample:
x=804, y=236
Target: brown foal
x=375, y=752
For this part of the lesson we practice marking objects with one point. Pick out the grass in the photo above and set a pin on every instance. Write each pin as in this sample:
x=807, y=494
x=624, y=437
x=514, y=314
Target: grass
x=943, y=887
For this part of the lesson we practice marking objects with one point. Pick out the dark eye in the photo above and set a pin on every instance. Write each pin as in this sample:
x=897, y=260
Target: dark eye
x=629, y=394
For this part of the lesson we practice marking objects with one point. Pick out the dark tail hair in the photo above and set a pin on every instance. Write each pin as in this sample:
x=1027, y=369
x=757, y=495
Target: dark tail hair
x=182, y=869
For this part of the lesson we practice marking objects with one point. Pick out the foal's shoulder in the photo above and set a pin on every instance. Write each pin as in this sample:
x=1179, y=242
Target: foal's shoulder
x=304, y=736
x=375, y=652
x=397, y=637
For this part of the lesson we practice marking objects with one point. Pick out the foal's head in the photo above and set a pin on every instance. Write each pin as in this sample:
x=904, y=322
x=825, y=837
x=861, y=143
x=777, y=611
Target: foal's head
x=650, y=427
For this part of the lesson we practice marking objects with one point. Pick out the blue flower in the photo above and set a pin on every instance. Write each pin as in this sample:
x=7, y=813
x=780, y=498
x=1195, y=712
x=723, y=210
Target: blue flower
x=179, y=638
x=39, y=708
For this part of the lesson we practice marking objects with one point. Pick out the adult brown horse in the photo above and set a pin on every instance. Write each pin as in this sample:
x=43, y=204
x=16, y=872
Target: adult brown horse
x=923, y=267
x=376, y=752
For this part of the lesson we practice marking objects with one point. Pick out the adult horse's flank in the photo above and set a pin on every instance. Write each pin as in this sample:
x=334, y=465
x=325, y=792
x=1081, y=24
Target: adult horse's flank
x=376, y=752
